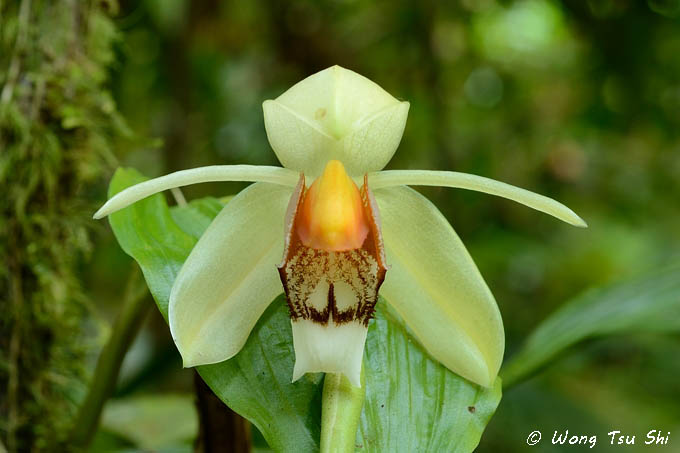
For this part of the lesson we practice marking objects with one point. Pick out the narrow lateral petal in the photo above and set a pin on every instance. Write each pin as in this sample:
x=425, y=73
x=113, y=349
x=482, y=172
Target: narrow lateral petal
x=230, y=277
x=467, y=181
x=213, y=173
x=435, y=286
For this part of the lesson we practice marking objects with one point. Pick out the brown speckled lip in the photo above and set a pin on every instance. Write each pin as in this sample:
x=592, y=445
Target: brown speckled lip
x=304, y=268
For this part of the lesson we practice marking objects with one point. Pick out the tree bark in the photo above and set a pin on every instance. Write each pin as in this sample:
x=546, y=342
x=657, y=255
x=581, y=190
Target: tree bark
x=220, y=428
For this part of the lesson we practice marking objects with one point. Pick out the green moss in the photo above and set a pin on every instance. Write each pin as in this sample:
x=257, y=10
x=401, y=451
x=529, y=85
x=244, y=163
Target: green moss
x=58, y=125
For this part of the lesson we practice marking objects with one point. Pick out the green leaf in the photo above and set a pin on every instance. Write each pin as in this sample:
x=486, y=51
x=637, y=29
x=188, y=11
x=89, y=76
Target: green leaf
x=650, y=303
x=256, y=383
x=148, y=233
x=195, y=217
x=413, y=403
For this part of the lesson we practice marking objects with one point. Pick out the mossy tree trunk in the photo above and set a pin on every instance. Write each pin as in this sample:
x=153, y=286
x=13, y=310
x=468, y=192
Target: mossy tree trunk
x=58, y=124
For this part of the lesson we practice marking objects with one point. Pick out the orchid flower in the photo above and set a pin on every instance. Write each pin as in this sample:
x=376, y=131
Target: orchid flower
x=333, y=245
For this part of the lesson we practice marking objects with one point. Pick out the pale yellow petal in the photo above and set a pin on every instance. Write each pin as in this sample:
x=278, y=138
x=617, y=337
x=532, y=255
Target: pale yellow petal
x=298, y=143
x=371, y=145
x=230, y=276
x=435, y=286
x=335, y=114
x=336, y=99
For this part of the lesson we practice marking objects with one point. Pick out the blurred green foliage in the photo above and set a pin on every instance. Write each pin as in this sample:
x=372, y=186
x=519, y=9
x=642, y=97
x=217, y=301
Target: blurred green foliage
x=578, y=100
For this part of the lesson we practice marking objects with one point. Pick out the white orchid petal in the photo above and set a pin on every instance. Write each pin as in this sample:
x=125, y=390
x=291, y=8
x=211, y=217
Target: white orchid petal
x=214, y=173
x=435, y=286
x=454, y=179
x=230, y=277
x=335, y=114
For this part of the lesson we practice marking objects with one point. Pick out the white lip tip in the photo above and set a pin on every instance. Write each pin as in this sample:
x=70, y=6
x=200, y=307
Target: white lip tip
x=296, y=375
x=329, y=348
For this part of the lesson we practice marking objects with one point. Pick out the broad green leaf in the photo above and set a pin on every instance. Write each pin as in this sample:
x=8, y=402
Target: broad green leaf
x=650, y=303
x=195, y=217
x=256, y=383
x=413, y=403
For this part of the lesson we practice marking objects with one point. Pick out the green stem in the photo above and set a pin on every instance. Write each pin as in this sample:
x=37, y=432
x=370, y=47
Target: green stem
x=340, y=413
x=125, y=328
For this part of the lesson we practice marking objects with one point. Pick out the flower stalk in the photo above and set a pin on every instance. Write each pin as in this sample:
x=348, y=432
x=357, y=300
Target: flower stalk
x=340, y=413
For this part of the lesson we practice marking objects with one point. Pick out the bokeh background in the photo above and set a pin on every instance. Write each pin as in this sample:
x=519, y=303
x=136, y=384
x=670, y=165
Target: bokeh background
x=578, y=100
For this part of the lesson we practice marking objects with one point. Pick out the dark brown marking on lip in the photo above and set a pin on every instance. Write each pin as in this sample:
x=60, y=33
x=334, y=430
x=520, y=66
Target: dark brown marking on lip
x=339, y=317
